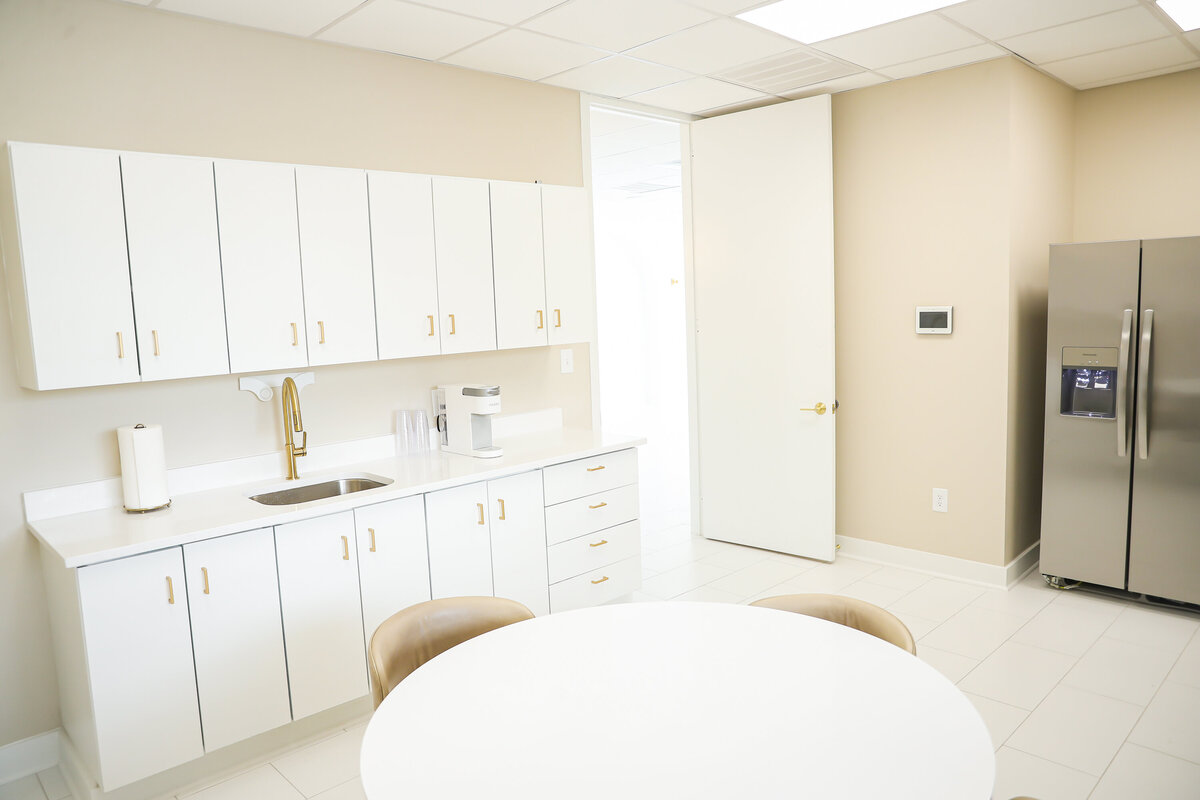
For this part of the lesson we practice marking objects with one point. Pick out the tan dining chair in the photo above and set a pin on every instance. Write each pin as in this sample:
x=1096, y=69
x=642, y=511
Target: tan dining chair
x=848, y=611
x=409, y=638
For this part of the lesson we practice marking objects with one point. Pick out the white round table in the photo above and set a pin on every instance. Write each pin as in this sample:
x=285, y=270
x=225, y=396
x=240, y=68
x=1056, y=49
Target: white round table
x=677, y=700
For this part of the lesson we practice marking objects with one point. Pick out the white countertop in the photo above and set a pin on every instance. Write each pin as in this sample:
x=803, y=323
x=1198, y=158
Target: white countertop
x=95, y=536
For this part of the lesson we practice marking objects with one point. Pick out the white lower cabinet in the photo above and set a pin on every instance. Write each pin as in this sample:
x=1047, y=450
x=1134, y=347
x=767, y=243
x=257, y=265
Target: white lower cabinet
x=138, y=645
x=241, y=673
x=518, y=535
x=393, y=561
x=460, y=554
x=598, y=586
x=322, y=612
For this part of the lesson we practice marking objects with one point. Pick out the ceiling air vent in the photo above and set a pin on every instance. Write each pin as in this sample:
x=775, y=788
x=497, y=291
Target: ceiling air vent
x=789, y=71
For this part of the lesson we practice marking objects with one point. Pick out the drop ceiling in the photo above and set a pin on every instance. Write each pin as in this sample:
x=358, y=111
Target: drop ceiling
x=696, y=57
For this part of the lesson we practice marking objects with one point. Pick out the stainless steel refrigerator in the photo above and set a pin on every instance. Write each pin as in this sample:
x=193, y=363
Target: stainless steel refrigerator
x=1121, y=480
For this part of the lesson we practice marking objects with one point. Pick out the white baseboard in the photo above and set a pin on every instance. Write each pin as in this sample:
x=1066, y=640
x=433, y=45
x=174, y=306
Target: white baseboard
x=28, y=756
x=960, y=569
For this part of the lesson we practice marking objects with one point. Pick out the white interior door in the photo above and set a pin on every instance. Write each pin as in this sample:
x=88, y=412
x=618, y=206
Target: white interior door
x=762, y=210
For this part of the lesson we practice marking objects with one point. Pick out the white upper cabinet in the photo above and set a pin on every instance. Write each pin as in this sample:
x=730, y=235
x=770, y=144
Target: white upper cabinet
x=260, y=256
x=71, y=235
x=335, y=255
x=570, y=287
x=520, y=277
x=463, y=237
x=406, y=290
x=175, y=263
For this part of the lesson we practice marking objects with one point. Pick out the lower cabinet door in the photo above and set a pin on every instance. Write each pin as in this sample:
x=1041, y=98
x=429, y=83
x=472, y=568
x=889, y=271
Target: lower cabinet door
x=518, y=534
x=322, y=612
x=241, y=674
x=460, y=557
x=393, y=562
x=139, y=654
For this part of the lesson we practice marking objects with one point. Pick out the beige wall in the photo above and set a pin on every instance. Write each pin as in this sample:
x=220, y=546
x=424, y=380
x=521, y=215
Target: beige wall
x=104, y=74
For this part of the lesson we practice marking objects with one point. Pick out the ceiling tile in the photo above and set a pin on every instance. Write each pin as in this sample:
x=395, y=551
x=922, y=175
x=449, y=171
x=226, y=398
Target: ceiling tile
x=510, y=12
x=617, y=24
x=858, y=81
x=743, y=106
x=297, y=17
x=398, y=27
x=522, y=54
x=730, y=7
x=138, y=2
x=956, y=58
x=1140, y=75
x=1000, y=19
x=714, y=46
x=617, y=76
x=787, y=72
x=906, y=40
x=1096, y=67
x=696, y=94
x=1116, y=29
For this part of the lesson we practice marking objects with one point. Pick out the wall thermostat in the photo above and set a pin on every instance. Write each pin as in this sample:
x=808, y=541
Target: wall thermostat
x=935, y=319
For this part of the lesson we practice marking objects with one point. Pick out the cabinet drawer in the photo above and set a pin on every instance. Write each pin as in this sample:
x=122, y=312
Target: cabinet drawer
x=592, y=513
x=594, y=550
x=598, y=586
x=589, y=475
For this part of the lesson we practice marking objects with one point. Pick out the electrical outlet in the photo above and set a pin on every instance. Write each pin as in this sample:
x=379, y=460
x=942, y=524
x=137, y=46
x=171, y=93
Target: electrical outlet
x=941, y=500
x=568, y=360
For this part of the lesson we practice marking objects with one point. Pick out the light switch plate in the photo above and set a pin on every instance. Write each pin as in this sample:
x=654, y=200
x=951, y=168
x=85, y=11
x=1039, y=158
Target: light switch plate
x=568, y=360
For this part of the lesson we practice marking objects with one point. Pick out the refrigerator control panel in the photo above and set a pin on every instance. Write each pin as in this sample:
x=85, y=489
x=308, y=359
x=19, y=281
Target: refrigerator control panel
x=1089, y=382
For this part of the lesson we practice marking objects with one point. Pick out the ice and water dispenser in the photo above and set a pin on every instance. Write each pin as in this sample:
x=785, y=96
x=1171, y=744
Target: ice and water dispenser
x=1089, y=382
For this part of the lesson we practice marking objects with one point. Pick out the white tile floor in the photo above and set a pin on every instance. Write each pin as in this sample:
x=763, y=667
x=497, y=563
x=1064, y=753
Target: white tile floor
x=1085, y=696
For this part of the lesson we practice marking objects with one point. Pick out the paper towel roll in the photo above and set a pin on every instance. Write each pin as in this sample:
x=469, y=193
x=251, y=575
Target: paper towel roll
x=143, y=467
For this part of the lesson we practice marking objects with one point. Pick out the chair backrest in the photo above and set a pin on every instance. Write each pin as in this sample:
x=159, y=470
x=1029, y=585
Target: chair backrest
x=848, y=611
x=409, y=638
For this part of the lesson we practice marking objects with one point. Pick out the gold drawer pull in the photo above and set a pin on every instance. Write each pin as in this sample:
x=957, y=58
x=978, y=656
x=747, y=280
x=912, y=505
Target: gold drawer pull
x=451, y=324
x=597, y=544
x=501, y=509
x=557, y=318
x=372, y=532
x=295, y=335
x=121, y=353
x=204, y=572
x=480, y=513
x=430, y=318
x=156, y=349
x=541, y=320
x=598, y=505
x=602, y=580
x=321, y=325
x=170, y=591
x=345, y=549
x=595, y=469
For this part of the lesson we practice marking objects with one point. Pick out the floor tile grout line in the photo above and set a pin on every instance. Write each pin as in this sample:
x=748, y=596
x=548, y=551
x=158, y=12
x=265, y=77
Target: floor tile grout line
x=288, y=780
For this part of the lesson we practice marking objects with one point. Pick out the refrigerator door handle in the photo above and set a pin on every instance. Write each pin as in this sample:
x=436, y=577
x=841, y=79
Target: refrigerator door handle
x=1143, y=386
x=1123, y=385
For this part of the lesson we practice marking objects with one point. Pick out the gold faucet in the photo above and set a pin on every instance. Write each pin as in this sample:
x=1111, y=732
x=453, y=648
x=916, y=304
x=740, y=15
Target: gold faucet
x=293, y=424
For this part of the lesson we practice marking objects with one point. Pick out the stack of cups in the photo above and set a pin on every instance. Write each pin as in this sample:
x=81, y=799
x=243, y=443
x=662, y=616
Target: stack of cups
x=412, y=432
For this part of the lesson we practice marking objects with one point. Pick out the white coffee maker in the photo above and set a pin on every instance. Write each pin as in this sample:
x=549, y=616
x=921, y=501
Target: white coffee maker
x=465, y=418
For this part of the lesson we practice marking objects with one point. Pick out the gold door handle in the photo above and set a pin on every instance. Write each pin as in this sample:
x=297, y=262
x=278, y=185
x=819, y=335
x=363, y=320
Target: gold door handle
x=156, y=349
x=558, y=317
x=602, y=580
x=120, y=345
x=598, y=505
x=372, y=532
x=594, y=469
x=480, y=513
x=819, y=408
x=345, y=549
x=451, y=324
x=204, y=572
x=501, y=509
x=430, y=318
x=295, y=335
x=541, y=320
x=597, y=544
x=321, y=326
x=170, y=591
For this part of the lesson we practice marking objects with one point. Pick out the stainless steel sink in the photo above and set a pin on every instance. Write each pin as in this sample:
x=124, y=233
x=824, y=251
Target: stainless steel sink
x=292, y=495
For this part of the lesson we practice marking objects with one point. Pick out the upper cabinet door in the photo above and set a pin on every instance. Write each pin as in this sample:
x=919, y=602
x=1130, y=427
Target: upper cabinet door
x=335, y=254
x=175, y=263
x=520, y=276
x=260, y=255
x=71, y=234
x=570, y=287
x=463, y=236
x=406, y=292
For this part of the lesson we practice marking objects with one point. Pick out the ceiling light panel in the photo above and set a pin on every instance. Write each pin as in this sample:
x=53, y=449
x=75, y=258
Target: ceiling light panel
x=617, y=76
x=697, y=94
x=1000, y=19
x=1120, y=28
x=811, y=21
x=788, y=72
x=617, y=25
x=1122, y=61
x=714, y=46
x=409, y=30
x=1186, y=13
x=522, y=54
x=510, y=12
x=898, y=42
x=297, y=17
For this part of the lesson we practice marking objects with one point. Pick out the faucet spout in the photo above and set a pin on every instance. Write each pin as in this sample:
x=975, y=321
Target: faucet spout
x=292, y=424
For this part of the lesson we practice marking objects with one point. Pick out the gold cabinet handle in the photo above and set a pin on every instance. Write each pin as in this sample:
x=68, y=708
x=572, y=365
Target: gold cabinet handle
x=120, y=345
x=156, y=349
x=372, y=532
x=430, y=318
x=295, y=335
x=451, y=324
x=170, y=591
x=558, y=318
x=204, y=573
x=602, y=580
x=345, y=549
x=480, y=512
x=597, y=544
x=819, y=408
x=598, y=505
x=541, y=320
x=594, y=469
x=321, y=326
x=501, y=509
